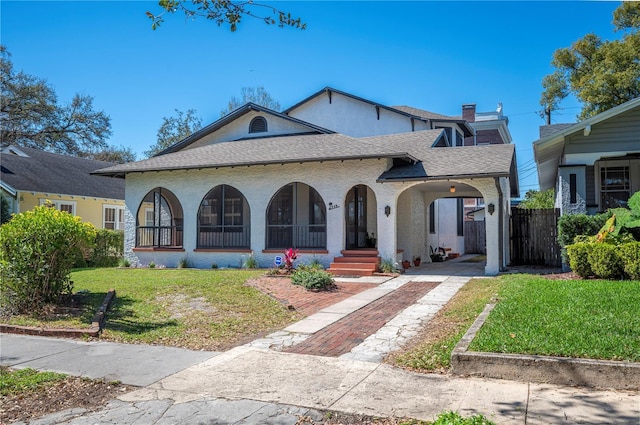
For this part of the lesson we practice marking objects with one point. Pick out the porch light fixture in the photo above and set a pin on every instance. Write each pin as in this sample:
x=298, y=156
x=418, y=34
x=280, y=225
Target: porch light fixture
x=452, y=189
x=491, y=208
x=387, y=210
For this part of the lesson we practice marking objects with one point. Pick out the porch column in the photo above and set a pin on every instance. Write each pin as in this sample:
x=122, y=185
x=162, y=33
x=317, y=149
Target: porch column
x=387, y=231
x=494, y=207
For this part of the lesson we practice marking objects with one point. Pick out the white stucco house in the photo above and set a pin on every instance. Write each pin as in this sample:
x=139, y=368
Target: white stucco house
x=333, y=175
x=593, y=165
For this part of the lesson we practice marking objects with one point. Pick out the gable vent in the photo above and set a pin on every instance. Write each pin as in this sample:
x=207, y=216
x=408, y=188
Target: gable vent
x=258, y=125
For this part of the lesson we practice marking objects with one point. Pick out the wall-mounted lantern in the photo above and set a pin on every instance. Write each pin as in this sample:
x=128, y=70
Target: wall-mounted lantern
x=452, y=189
x=491, y=208
x=387, y=210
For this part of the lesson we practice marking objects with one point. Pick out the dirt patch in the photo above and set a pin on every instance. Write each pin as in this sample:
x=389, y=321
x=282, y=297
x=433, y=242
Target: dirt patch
x=306, y=302
x=179, y=305
x=73, y=392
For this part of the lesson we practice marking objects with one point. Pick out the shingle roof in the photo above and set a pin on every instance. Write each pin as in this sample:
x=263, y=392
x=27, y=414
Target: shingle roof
x=52, y=173
x=273, y=150
x=548, y=130
x=425, y=114
x=462, y=161
x=414, y=147
x=242, y=110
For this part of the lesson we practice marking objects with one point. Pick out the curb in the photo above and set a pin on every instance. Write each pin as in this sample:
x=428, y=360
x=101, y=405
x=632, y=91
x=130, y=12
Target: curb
x=544, y=369
x=97, y=325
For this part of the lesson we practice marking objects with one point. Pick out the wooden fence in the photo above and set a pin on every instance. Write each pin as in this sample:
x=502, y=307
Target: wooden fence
x=534, y=237
x=475, y=237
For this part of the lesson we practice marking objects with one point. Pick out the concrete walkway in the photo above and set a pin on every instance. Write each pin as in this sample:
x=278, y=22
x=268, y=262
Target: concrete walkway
x=256, y=383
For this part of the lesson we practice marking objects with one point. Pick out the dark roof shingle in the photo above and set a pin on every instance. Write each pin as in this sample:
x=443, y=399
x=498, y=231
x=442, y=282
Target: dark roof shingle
x=47, y=172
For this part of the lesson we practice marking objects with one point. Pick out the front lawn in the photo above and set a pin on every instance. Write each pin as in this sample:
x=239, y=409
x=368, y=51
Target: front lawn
x=595, y=319
x=196, y=309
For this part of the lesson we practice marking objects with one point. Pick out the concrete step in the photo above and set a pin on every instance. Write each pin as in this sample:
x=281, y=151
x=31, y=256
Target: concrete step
x=358, y=259
x=354, y=265
x=366, y=252
x=350, y=272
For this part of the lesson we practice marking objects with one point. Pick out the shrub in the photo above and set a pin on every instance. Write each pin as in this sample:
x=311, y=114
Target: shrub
x=572, y=225
x=184, y=263
x=605, y=260
x=37, y=253
x=312, y=279
x=107, y=249
x=123, y=262
x=579, y=258
x=387, y=266
x=630, y=256
x=251, y=263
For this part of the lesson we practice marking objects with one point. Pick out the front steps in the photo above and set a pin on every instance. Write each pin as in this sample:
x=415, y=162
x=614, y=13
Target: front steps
x=360, y=262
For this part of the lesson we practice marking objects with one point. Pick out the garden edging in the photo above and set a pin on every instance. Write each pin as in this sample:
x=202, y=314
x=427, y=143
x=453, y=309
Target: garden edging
x=545, y=369
x=94, y=331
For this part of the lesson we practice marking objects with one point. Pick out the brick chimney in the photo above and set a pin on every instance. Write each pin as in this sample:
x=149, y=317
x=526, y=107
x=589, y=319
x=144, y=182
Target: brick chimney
x=469, y=112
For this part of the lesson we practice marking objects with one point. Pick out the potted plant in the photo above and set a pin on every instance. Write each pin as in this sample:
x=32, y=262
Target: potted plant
x=370, y=240
x=406, y=264
x=416, y=261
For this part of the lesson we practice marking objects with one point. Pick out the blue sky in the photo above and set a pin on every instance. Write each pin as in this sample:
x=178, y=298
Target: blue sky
x=430, y=55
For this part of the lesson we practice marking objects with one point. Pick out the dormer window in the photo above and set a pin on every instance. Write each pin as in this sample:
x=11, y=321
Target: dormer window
x=258, y=125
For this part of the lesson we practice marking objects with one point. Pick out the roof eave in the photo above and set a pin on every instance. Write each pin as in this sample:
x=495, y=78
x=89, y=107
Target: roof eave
x=122, y=173
x=441, y=178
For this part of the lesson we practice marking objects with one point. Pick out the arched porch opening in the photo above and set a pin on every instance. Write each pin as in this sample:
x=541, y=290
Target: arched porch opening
x=159, y=221
x=296, y=218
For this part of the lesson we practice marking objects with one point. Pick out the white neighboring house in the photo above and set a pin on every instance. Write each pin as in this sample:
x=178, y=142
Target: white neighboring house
x=332, y=175
x=593, y=165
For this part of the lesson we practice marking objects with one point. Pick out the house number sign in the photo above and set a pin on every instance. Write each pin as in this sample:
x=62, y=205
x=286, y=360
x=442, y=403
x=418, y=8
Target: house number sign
x=333, y=206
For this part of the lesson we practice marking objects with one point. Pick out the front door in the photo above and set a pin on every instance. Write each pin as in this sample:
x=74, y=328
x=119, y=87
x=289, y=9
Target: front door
x=356, y=217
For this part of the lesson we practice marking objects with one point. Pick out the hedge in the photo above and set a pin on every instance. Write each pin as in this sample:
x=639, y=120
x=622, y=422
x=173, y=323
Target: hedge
x=606, y=261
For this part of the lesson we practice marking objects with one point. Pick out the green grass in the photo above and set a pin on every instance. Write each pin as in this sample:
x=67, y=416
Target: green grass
x=597, y=319
x=197, y=309
x=24, y=380
x=432, y=349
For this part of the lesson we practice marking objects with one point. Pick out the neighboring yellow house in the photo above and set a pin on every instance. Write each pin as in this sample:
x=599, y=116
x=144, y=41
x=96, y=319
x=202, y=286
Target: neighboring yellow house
x=30, y=177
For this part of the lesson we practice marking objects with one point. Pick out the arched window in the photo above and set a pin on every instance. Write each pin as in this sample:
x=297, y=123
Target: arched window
x=258, y=125
x=159, y=220
x=224, y=219
x=296, y=218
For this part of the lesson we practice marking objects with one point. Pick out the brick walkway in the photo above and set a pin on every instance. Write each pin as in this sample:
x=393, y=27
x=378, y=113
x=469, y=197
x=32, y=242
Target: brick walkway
x=307, y=302
x=340, y=337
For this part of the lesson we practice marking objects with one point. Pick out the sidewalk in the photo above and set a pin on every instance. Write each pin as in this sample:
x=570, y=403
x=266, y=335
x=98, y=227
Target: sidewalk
x=253, y=384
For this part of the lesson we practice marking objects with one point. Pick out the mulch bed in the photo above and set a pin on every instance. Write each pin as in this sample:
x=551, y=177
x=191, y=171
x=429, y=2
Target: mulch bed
x=304, y=301
x=73, y=392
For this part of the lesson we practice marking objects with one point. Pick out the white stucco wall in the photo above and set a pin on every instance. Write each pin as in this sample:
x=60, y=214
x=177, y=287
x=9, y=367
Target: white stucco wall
x=239, y=129
x=354, y=118
x=258, y=184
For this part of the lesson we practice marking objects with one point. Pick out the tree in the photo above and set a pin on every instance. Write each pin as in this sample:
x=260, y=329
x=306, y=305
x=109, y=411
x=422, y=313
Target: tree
x=30, y=115
x=534, y=199
x=225, y=12
x=5, y=210
x=601, y=74
x=115, y=154
x=174, y=129
x=257, y=95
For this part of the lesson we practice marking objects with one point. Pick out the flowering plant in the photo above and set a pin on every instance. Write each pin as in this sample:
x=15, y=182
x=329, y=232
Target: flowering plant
x=290, y=255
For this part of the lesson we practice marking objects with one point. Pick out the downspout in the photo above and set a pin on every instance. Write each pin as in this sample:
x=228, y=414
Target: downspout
x=500, y=224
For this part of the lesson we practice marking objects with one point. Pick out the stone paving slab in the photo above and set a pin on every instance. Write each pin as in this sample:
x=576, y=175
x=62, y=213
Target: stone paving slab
x=131, y=364
x=578, y=405
x=391, y=392
x=308, y=381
